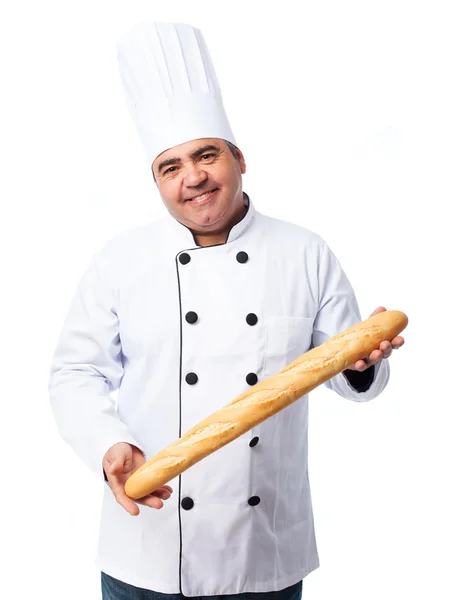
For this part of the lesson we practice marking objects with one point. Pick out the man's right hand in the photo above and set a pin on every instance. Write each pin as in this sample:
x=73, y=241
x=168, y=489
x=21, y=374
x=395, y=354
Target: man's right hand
x=119, y=463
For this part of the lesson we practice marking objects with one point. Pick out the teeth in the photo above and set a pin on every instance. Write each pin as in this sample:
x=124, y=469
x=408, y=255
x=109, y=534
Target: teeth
x=202, y=196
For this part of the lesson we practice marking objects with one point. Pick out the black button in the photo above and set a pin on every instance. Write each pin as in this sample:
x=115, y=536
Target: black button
x=254, y=500
x=254, y=441
x=251, y=319
x=251, y=378
x=187, y=503
x=191, y=317
x=242, y=257
x=184, y=258
x=191, y=378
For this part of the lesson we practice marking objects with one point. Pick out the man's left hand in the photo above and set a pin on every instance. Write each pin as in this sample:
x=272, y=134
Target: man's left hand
x=384, y=351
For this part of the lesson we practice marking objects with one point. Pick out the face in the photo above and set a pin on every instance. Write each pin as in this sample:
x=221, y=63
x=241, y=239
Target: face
x=200, y=183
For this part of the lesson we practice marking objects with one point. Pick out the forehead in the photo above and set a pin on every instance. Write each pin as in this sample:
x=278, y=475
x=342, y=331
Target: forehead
x=182, y=151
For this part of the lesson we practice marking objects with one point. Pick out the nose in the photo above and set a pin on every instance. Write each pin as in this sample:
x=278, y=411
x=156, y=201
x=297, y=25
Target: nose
x=194, y=175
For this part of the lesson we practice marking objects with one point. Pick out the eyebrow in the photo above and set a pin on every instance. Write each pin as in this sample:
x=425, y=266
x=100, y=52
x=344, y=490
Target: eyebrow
x=195, y=154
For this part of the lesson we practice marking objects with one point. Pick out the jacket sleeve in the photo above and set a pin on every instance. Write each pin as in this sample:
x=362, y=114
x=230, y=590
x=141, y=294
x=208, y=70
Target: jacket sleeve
x=86, y=368
x=338, y=310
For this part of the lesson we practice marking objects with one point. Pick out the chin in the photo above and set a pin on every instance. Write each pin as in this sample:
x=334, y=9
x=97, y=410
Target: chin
x=208, y=216
x=203, y=226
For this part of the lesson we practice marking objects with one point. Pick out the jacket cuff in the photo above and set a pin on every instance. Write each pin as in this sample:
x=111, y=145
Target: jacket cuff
x=360, y=381
x=343, y=387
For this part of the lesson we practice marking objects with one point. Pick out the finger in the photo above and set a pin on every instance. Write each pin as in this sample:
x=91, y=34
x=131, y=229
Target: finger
x=165, y=487
x=121, y=498
x=162, y=493
x=360, y=365
x=155, y=499
x=386, y=348
x=397, y=342
x=129, y=505
x=379, y=309
x=151, y=501
x=375, y=357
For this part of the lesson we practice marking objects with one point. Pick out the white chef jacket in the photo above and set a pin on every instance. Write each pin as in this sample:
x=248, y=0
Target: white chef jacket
x=181, y=330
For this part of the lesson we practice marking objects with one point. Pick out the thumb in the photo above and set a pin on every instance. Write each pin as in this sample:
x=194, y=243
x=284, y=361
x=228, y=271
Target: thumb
x=379, y=309
x=117, y=458
x=117, y=466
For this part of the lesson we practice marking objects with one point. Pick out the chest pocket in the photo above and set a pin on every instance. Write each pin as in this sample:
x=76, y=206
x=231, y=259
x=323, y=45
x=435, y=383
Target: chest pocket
x=286, y=338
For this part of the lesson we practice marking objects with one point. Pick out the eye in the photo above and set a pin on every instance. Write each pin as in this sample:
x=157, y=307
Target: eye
x=169, y=170
x=207, y=155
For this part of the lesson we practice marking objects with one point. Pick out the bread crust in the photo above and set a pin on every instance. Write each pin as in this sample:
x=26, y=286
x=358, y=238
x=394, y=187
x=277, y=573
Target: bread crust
x=265, y=399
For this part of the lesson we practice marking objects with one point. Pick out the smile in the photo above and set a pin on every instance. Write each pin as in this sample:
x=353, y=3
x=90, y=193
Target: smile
x=203, y=197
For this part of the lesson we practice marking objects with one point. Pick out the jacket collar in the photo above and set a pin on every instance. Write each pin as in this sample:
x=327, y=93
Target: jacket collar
x=184, y=239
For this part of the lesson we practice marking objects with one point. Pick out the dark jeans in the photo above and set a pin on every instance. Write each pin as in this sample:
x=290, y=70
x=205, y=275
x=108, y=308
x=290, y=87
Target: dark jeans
x=113, y=589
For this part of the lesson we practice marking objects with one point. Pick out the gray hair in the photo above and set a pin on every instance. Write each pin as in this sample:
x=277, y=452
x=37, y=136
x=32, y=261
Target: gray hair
x=232, y=149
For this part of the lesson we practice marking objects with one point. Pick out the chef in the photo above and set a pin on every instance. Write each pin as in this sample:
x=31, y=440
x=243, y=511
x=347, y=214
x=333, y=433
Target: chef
x=181, y=316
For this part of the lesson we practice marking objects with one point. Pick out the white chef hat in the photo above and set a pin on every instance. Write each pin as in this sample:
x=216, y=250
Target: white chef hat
x=171, y=87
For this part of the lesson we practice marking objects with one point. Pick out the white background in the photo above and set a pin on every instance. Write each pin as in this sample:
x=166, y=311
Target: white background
x=342, y=110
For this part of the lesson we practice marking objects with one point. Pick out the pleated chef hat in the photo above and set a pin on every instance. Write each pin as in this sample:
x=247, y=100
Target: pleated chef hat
x=171, y=87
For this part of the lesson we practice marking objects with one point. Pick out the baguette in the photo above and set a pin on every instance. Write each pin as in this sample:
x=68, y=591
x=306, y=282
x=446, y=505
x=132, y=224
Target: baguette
x=265, y=400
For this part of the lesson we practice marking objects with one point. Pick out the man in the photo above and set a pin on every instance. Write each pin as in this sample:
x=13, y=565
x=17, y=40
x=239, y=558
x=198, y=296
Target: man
x=181, y=316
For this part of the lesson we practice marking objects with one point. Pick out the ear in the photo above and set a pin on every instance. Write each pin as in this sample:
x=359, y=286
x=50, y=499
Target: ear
x=241, y=161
